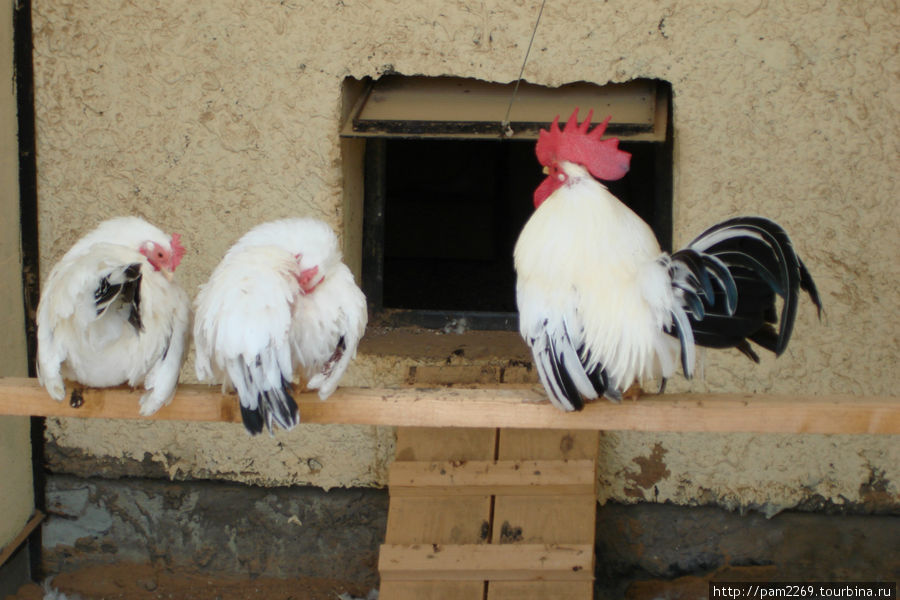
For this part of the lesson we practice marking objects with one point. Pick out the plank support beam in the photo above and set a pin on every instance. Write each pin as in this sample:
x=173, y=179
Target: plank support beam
x=506, y=406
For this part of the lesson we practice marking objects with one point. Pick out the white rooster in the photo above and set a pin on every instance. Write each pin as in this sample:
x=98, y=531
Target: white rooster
x=280, y=299
x=111, y=313
x=602, y=307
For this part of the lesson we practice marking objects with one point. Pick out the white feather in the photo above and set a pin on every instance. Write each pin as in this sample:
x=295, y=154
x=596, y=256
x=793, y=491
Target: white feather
x=585, y=253
x=51, y=593
x=253, y=305
x=105, y=350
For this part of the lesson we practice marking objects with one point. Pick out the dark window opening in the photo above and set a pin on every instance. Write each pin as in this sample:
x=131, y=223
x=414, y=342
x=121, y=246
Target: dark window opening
x=453, y=210
x=442, y=216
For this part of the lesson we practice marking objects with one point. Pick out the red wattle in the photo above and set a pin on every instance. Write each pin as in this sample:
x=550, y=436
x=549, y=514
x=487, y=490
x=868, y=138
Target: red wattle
x=543, y=191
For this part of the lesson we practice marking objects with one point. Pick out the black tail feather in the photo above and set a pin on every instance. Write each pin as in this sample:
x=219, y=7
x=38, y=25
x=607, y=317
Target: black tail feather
x=809, y=286
x=764, y=248
x=274, y=405
x=253, y=419
x=682, y=331
x=767, y=337
x=761, y=264
x=747, y=350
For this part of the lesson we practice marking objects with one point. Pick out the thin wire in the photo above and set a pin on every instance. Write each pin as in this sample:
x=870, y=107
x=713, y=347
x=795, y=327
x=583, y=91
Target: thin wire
x=504, y=126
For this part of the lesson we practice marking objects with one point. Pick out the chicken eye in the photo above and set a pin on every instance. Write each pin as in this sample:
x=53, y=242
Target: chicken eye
x=556, y=172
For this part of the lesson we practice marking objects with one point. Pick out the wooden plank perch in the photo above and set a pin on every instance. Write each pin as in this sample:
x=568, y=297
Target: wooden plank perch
x=508, y=406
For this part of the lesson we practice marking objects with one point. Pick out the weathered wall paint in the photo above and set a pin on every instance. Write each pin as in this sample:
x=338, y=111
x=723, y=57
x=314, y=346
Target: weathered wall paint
x=210, y=117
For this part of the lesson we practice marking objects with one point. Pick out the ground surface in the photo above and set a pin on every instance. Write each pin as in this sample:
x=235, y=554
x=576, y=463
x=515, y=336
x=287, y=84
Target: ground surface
x=144, y=582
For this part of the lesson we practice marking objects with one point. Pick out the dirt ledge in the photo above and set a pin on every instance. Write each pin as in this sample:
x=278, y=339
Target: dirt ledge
x=146, y=582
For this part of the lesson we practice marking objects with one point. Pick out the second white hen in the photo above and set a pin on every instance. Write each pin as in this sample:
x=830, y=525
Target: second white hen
x=281, y=299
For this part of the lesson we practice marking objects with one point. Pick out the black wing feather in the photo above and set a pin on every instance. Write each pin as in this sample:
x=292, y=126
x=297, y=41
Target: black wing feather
x=121, y=288
x=562, y=376
x=565, y=371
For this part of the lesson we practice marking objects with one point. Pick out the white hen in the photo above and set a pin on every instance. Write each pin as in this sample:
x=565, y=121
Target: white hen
x=280, y=299
x=110, y=313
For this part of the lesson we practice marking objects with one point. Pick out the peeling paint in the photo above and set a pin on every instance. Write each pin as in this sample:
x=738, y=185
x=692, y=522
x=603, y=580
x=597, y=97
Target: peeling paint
x=652, y=471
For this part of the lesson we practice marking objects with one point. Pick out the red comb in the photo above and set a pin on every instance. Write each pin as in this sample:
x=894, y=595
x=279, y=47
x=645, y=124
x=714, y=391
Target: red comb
x=177, y=250
x=575, y=144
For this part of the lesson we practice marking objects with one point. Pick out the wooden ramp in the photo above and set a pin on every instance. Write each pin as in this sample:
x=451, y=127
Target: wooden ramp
x=490, y=514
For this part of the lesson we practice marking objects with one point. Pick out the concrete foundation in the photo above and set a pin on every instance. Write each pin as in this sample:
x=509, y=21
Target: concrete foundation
x=228, y=530
x=214, y=527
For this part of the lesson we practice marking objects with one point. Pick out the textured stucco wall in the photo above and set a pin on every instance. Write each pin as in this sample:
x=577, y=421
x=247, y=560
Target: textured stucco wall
x=16, y=494
x=209, y=117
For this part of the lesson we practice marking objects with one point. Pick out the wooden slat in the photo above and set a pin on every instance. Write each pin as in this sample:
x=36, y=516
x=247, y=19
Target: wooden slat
x=442, y=443
x=506, y=406
x=438, y=520
x=30, y=526
x=509, y=477
x=431, y=590
x=495, y=562
x=548, y=519
x=547, y=444
x=541, y=590
x=544, y=519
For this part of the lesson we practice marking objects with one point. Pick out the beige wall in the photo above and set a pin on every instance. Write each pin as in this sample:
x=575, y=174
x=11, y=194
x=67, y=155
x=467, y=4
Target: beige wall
x=16, y=498
x=209, y=117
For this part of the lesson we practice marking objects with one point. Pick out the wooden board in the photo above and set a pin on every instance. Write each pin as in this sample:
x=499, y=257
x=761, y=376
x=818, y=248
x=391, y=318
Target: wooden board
x=433, y=519
x=543, y=444
x=508, y=406
x=441, y=443
x=548, y=502
x=495, y=562
x=548, y=519
x=541, y=590
x=439, y=520
x=14, y=544
x=431, y=590
x=509, y=477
